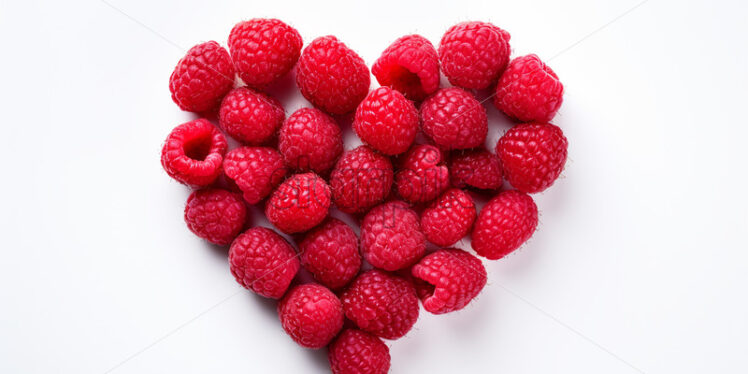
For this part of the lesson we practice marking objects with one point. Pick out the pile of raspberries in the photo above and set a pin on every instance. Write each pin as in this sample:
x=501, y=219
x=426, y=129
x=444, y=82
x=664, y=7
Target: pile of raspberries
x=412, y=182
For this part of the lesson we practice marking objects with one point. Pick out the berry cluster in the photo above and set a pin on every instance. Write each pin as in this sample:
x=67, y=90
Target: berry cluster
x=404, y=193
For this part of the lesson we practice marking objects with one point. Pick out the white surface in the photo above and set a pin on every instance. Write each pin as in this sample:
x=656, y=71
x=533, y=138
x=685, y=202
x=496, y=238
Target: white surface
x=640, y=262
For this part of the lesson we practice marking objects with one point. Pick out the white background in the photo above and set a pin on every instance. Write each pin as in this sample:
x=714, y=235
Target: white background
x=640, y=263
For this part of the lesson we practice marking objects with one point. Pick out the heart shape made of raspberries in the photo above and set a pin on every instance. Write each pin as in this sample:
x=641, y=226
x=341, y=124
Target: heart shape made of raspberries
x=410, y=186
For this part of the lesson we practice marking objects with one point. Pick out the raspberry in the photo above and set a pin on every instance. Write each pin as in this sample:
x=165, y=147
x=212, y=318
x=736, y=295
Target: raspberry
x=361, y=179
x=450, y=279
x=386, y=121
x=454, y=119
x=423, y=175
x=529, y=90
x=332, y=76
x=262, y=261
x=358, y=352
x=475, y=168
x=311, y=314
x=255, y=170
x=474, y=54
x=391, y=236
x=299, y=203
x=310, y=140
x=193, y=152
x=504, y=224
x=215, y=215
x=330, y=253
x=409, y=65
x=449, y=218
x=381, y=303
x=532, y=155
x=264, y=50
x=250, y=117
x=202, y=77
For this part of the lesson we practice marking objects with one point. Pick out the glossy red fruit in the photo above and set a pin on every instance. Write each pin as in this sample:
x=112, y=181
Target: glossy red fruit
x=264, y=262
x=448, y=280
x=504, y=224
x=532, y=155
x=529, y=90
x=311, y=315
x=448, y=219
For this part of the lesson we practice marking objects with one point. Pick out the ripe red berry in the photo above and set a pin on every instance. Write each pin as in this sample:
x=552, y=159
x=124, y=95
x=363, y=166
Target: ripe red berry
x=454, y=119
x=215, y=215
x=504, y=224
x=311, y=314
x=332, y=76
x=475, y=168
x=202, y=77
x=422, y=175
x=255, y=170
x=474, y=54
x=386, y=121
x=532, y=155
x=250, y=117
x=391, y=237
x=264, y=262
x=358, y=352
x=193, y=153
x=410, y=65
x=529, y=90
x=330, y=253
x=361, y=179
x=264, y=50
x=449, y=279
x=449, y=218
x=299, y=203
x=310, y=140
x=381, y=303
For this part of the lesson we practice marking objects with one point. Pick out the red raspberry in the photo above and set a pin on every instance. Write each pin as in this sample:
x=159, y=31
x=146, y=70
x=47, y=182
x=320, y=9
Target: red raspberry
x=386, y=121
x=361, y=179
x=454, y=119
x=310, y=140
x=423, y=175
x=202, y=77
x=504, y=224
x=215, y=215
x=450, y=279
x=409, y=65
x=299, y=203
x=391, y=236
x=529, y=90
x=311, y=314
x=255, y=170
x=250, y=117
x=264, y=50
x=332, y=76
x=193, y=153
x=358, y=352
x=474, y=54
x=533, y=155
x=264, y=262
x=449, y=218
x=330, y=253
x=381, y=303
x=475, y=168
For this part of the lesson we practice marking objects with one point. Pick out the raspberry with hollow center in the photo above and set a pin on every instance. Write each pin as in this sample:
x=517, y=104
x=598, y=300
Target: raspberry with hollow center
x=423, y=175
x=449, y=218
x=202, y=77
x=391, y=237
x=475, y=168
x=381, y=303
x=448, y=280
x=330, y=253
x=358, y=352
x=410, y=65
x=361, y=179
x=454, y=119
x=311, y=315
x=529, y=90
x=193, y=153
x=386, y=121
x=310, y=140
x=262, y=261
x=299, y=203
x=250, y=117
x=504, y=224
x=532, y=155
x=264, y=50
x=474, y=54
x=255, y=170
x=215, y=215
